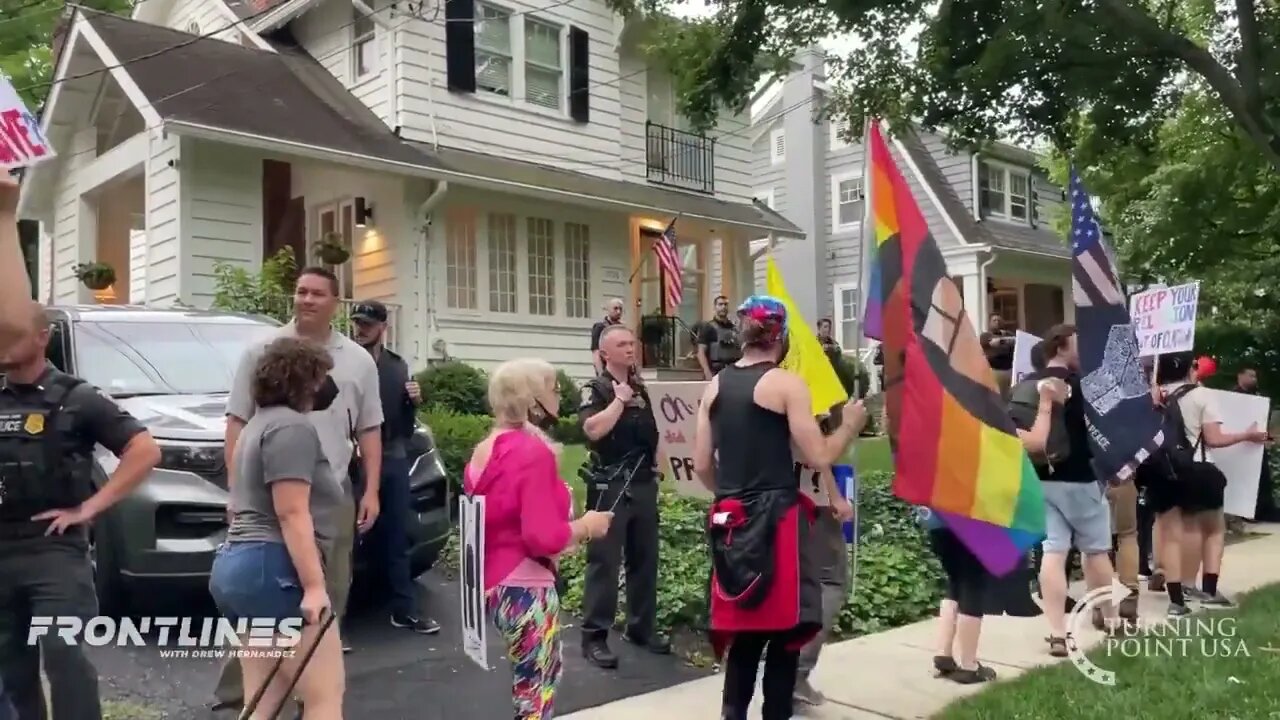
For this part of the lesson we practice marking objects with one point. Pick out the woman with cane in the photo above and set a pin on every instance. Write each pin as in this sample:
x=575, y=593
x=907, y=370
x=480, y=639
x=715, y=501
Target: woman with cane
x=283, y=510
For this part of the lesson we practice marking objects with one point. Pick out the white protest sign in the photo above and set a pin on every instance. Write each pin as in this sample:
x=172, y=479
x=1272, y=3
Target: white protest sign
x=22, y=144
x=676, y=410
x=1164, y=319
x=471, y=564
x=675, y=406
x=1022, y=344
x=1242, y=462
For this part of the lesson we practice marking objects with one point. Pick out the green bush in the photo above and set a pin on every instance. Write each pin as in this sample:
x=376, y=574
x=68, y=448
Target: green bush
x=570, y=393
x=456, y=435
x=457, y=387
x=567, y=431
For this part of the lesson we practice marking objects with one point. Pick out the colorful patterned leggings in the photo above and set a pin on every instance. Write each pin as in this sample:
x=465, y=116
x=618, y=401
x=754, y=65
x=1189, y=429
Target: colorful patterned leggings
x=529, y=620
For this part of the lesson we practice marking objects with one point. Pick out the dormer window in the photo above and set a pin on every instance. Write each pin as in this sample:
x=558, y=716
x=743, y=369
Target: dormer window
x=493, y=50
x=364, y=52
x=1004, y=191
x=543, y=68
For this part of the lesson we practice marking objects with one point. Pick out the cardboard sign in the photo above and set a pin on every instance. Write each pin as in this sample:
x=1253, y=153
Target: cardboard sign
x=471, y=566
x=22, y=144
x=675, y=406
x=1242, y=462
x=1164, y=319
x=1022, y=344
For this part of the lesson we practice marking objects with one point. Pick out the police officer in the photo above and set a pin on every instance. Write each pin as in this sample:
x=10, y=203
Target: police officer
x=617, y=418
x=718, y=342
x=612, y=316
x=49, y=425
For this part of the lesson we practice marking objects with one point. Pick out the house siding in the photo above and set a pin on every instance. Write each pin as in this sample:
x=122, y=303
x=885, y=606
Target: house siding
x=208, y=15
x=326, y=33
x=72, y=219
x=485, y=338
x=222, y=218
x=164, y=219
x=956, y=167
x=844, y=245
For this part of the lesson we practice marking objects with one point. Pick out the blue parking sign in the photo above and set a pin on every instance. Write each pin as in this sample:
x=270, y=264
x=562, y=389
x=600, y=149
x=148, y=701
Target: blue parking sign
x=847, y=481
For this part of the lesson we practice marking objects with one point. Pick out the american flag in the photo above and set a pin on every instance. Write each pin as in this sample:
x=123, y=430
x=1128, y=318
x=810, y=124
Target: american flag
x=669, y=260
x=1124, y=427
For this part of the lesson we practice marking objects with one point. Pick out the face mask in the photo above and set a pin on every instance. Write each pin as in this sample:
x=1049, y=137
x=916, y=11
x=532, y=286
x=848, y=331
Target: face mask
x=542, y=418
x=325, y=396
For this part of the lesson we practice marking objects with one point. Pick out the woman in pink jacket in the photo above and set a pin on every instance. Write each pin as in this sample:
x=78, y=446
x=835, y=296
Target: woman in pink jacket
x=528, y=524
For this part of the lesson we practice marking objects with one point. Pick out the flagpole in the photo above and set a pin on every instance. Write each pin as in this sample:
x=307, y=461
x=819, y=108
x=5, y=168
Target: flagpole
x=867, y=231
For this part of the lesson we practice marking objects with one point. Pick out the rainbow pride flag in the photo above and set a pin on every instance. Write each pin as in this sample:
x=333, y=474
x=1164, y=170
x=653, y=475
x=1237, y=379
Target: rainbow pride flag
x=955, y=447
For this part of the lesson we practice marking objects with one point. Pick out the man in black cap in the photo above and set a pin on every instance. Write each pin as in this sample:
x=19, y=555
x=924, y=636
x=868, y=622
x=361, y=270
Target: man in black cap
x=400, y=399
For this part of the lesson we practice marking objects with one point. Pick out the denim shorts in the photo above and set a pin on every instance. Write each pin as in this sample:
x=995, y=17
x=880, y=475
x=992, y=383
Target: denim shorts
x=1076, y=513
x=255, y=580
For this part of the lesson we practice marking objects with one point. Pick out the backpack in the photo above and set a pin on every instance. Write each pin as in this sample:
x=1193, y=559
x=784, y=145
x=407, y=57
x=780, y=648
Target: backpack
x=1024, y=405
x=1176, y=461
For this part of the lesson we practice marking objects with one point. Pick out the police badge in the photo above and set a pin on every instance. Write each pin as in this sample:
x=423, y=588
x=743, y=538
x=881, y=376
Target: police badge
x=588, y=396
x=34, y=424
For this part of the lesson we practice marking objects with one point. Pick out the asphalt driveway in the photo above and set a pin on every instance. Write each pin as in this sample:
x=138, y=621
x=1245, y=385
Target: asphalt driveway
x=392, y=674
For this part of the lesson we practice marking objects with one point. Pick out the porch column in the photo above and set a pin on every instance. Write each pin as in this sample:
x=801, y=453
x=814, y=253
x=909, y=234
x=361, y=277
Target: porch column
x=975, y=295
x=1068, y=304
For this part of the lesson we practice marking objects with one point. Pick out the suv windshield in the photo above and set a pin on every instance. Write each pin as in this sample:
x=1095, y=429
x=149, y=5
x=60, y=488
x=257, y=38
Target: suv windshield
x=163, y=358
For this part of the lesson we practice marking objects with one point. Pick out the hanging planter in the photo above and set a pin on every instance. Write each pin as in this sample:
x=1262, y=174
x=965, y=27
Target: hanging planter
x=331, y=251
x=95, y=275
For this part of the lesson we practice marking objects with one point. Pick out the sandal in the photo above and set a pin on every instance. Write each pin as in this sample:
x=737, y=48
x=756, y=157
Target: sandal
x=1057, y=646
x=980, y=674
x=945, y=665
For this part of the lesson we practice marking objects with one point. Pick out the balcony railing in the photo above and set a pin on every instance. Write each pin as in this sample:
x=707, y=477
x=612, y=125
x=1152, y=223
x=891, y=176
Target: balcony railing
x=667, y=344
x=680, y=159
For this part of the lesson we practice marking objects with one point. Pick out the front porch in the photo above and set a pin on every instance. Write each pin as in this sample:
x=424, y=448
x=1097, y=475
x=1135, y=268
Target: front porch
x=1029, y=291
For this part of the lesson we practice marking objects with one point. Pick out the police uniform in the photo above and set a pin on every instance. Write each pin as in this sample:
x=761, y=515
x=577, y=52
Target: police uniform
x=629, y=450
x=48, y=431
x=724, y=347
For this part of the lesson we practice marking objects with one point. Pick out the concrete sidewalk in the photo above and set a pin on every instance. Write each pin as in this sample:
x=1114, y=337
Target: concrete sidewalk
x=890, y=674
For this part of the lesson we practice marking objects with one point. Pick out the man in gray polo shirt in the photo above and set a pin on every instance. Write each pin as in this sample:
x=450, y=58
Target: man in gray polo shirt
x=355, y=413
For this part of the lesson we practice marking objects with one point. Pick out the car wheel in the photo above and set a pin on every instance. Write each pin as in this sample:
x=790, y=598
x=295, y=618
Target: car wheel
x=113, y=593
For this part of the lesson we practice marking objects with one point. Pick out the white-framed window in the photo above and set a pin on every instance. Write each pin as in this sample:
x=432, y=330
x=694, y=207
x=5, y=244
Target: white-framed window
x=493, y=49
x=502, y=262
x=1004, y=191
x=577, y=270
x=364, y=46
x=778, y=146
x=844, y=297
x=846, y=200
x=460, y=261
x=764, y=195
x=543, y=64
x=335, y=221
x=837, y=134
x=542, y=266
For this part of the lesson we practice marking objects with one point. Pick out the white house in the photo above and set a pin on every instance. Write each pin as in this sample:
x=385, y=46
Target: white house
x=988, y=211
x=498, y=169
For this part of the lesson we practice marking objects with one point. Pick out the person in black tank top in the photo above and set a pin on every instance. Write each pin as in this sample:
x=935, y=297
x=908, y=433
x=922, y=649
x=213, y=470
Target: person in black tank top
x=766, y=598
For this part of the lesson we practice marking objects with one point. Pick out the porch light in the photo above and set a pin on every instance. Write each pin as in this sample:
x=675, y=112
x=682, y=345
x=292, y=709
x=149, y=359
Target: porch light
x=364, y=213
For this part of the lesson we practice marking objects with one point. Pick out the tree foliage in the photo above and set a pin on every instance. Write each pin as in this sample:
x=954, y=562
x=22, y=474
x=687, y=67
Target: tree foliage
x=26, y=32
x=1027, y=70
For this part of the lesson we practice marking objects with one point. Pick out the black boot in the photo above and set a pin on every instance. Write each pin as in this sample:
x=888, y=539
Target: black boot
x=655, y=643
x=597, y=652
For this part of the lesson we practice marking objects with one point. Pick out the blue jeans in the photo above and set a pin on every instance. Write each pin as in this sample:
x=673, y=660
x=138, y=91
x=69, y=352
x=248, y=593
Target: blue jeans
x=391, y=533
x=255, y=580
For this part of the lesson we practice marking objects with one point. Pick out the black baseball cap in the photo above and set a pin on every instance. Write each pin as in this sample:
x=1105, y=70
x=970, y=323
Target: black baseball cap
x=369, y=311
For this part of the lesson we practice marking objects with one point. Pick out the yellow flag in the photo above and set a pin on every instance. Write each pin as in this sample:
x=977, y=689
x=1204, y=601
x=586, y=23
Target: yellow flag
x=805, y=358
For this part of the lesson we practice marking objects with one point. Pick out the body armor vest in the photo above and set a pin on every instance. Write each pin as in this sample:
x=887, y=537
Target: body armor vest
x=634, y=435
x=726, y=349
x=40, y=469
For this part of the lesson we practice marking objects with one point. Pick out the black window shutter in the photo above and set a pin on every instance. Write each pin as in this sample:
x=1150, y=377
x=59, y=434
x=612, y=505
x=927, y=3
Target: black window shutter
x=460, y=44
x=579, y=75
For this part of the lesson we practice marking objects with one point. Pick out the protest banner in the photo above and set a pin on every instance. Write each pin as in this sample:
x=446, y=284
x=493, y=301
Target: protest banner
x=471, y=564
x=1242, y=462
x=675, y=406
x=1022, y=344
x=22, y=143
x=1164, y=319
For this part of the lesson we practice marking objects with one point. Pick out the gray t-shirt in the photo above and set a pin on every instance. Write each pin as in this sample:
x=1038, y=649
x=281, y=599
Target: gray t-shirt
x=278, y=444
x=357, y=408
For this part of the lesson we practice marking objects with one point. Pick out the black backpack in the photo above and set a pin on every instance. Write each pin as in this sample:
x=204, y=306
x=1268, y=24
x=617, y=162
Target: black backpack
x=1178, y=460
x=1024, y=405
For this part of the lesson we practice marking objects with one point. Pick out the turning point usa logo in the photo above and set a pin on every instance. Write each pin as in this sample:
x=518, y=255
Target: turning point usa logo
x=217, y=635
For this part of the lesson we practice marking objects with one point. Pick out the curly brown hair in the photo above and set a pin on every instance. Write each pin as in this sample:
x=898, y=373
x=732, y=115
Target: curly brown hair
x=289, y=373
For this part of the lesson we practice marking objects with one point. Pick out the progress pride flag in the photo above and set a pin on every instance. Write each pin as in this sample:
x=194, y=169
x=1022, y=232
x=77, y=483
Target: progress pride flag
x=22, y=144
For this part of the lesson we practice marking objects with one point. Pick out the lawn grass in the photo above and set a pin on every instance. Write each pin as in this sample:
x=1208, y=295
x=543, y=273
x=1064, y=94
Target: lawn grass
x=872, y=455
x=1231, y=684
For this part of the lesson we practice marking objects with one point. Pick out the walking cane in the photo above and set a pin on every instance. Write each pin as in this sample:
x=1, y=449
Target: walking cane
x=252, y=705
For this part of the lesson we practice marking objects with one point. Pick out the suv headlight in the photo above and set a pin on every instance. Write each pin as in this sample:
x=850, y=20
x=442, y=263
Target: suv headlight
x=203, y=460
